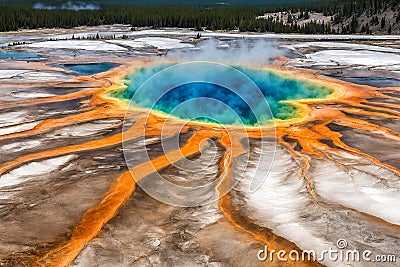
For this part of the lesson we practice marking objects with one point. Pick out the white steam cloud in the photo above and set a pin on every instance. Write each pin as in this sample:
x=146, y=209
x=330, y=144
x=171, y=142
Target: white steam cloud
x=236, y=51
x=70, y=5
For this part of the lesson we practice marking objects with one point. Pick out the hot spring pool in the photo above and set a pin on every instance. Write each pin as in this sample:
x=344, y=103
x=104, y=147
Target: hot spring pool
x=18, y=55
x=91, y=68
x=217, y=93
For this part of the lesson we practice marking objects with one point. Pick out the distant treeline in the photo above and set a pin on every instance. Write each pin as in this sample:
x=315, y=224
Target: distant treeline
x=224, y=18
x=14, y=17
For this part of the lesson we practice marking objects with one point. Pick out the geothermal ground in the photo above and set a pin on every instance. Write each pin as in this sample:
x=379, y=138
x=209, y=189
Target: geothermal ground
x=80, y=169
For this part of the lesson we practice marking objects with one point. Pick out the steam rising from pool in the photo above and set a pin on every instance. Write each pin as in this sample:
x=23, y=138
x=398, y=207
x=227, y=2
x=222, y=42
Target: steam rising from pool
x=234, y=51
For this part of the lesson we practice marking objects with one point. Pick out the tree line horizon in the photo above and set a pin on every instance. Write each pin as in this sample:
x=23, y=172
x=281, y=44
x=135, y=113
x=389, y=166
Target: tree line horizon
x=244, y=19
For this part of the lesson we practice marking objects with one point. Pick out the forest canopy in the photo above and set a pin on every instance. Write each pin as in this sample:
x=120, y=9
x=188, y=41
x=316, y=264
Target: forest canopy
x=15, y=17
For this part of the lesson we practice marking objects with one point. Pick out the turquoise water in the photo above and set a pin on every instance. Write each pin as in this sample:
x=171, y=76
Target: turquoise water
x=17, y=55
x=218, y=94
x=91, y=68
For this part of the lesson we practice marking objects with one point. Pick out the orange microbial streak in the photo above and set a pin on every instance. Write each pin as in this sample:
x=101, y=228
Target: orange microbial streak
x=308, y=131
x=95, y=218
x=91, y=223
x=262, y=234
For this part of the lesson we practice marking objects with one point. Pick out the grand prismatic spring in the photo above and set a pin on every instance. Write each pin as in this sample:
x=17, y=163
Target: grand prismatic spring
x=155, y=159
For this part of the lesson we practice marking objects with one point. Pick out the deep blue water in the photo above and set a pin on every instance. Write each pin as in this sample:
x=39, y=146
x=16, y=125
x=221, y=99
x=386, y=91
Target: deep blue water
x=91, y=68
x=211, y=93
x=17, y=55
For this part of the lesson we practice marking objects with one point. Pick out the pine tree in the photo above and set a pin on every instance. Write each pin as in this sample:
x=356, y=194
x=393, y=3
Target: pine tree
x=306, y=15
x=198, y=27
x=383, y=22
